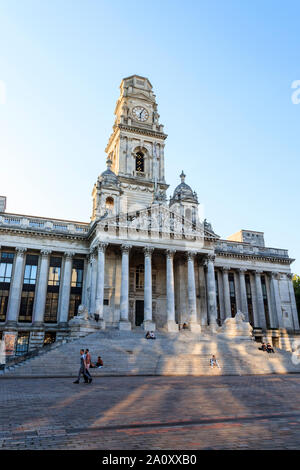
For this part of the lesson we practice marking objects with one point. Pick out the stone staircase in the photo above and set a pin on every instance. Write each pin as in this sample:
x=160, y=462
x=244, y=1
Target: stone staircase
x=182, y=353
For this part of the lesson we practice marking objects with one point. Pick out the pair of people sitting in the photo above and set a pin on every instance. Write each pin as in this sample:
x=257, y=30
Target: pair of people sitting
x=150, y=335
x=267, y=347
x=99, y=363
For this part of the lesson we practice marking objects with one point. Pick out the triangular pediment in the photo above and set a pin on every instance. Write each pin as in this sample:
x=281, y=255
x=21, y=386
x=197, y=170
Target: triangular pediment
x=156, y=221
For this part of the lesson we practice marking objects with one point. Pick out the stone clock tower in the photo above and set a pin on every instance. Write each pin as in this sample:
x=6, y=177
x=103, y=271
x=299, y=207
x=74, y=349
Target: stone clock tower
x=136, y=146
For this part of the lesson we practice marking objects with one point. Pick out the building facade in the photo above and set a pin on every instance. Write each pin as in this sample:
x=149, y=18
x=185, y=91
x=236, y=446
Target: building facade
x=142, y=261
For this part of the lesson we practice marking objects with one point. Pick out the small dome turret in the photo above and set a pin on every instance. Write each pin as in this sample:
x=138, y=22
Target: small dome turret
x=183, y=192
x=108, y=177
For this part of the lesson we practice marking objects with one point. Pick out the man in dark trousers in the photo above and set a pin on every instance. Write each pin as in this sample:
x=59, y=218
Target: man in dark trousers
x=83, y=370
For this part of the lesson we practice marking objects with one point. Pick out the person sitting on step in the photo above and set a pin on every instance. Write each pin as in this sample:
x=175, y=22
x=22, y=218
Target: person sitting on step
x=270, y=348
x=99, y=363
x=263, y=347
x=214, y=362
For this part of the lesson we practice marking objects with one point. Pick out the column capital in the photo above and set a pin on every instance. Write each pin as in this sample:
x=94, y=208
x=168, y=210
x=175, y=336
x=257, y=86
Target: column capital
x=273, y=274
x=102, y=247
x=21, y=250
x=148, y=250
x=258, y=272
x=190, y=255
x=211, y=257
x=225, y=269
x=45, y=253
x=125, y=248
x=242, y=270
x=170, y=253
x=69, y=254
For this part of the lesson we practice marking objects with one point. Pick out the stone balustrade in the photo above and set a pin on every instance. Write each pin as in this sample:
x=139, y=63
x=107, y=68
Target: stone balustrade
x=41, y=224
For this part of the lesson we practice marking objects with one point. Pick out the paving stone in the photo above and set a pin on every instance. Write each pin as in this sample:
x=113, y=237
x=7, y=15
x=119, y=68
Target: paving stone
x=248, y=412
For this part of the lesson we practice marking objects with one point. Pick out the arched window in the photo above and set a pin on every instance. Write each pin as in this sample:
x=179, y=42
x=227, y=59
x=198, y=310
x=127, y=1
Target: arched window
x=109, y=203
x=139, y=162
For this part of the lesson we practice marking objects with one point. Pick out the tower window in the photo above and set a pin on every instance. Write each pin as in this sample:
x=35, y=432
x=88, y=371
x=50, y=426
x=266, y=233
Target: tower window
x=139, y=162
x=109, y=203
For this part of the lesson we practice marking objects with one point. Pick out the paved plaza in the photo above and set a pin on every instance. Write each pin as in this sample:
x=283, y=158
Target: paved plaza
x=249, y=412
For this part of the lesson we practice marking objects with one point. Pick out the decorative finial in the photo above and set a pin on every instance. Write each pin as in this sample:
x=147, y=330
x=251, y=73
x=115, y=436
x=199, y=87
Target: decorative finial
x=182, y=176
x=108, y=163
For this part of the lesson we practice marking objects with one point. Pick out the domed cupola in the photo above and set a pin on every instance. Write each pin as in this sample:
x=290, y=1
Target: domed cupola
x=184, y=193
x=108, y=177
x=184, y=201
x=106, y=194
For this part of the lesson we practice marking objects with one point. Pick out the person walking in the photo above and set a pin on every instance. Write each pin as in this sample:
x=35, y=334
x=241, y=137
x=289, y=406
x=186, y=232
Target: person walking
x=83, y=370
x=88, y=359
x=88, y=364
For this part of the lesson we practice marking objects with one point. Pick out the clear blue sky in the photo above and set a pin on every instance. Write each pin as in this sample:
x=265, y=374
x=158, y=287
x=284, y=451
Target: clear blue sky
x=222, y=73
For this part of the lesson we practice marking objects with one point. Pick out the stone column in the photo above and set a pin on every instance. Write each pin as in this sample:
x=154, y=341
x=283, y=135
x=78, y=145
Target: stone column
x=243, y=293
x=16, y=289
x=124, y=323
x=211, y=292
x=193, y=324
x=171, y=324
x=276, y=316
x=226, y=293
x=148, y=324
x=86, y=281
x=93, y=283
x=65, y=290
x=260, y=301
x=293, y=301
x=41, y=290
x=100, y=283
x=221, y=296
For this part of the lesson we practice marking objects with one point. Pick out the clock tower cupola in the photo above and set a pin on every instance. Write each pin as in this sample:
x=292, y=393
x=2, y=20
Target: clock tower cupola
x=136, y=146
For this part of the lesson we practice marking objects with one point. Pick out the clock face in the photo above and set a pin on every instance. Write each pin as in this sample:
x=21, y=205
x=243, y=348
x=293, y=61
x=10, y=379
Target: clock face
x=140, y=113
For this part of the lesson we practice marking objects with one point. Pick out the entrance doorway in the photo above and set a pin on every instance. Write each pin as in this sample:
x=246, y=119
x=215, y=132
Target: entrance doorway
x=139, y=312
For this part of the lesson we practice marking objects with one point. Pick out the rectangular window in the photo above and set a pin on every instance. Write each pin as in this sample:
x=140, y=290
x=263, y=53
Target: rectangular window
x=3, y=303
x=49, y=338
x=249, y=299
x=28, y=290
x=54, y=271
x=76, y=286
x=51, y=307
x=232, y=294
x=75, y=301
x=77, y=273
x=26, y=306
x=22, y=344
x=6, y=264
x=265, y=299
x=30, y=272
x=139, y=277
